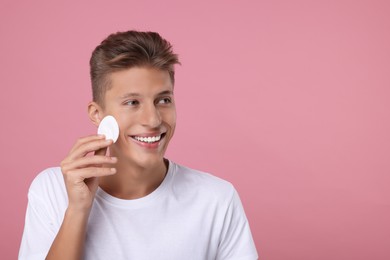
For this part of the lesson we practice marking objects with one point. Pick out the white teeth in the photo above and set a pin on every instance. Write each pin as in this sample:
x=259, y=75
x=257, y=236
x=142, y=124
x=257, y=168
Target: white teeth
x=148, y=139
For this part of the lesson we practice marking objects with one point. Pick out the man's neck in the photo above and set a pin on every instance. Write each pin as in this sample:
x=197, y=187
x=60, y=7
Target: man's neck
x=133, y=181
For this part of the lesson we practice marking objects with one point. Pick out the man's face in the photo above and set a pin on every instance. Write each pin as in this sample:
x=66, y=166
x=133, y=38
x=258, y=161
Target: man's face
x=141, y=99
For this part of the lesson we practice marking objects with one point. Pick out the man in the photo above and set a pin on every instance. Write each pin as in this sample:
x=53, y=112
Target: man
x=133, y=203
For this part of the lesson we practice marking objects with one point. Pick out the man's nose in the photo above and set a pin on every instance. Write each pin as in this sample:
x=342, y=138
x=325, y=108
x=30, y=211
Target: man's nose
x=151, y=116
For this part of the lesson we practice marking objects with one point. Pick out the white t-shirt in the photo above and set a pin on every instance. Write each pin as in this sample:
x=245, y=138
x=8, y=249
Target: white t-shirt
x=191, y=215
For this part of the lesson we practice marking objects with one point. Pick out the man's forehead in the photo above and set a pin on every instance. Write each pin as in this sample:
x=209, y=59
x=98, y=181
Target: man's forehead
x=139, y=81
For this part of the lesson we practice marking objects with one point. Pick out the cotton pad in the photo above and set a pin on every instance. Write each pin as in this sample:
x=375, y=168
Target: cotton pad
x=109, y=127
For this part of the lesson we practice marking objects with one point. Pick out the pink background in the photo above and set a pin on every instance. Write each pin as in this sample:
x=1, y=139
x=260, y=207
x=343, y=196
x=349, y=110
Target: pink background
x=288, y=100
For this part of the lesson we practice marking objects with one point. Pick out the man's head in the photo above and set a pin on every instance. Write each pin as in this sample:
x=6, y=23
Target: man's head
x=132, y=77
x=124, y=50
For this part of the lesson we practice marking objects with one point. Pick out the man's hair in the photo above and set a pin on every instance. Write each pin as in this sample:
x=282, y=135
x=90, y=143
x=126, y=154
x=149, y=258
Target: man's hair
x=124, y=50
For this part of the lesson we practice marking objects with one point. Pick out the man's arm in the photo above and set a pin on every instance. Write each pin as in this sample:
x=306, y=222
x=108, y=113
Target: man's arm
x=69, y=242
x=81, y=174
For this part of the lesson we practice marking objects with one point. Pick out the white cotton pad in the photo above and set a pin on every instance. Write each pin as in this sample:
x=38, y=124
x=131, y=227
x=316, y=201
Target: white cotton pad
x=109, y=127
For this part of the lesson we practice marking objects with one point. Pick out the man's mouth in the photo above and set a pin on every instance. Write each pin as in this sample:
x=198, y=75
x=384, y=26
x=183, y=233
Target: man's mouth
x=149, y=139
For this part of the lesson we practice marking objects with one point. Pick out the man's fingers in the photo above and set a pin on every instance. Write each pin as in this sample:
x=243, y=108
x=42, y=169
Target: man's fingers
x=84, y=140
x=88, y=147
x=89, y=172
x=102, y=151
x=88, y=161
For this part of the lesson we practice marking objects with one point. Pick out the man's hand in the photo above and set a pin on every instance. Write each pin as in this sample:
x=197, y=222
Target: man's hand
x=81, y=171
x=81, y=174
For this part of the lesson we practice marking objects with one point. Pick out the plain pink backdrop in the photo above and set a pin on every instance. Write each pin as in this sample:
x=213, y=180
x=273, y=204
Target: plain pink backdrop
x=288, y=100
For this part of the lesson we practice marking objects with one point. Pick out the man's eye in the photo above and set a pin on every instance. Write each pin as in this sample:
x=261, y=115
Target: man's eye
x=131, y=102
x=165, y=101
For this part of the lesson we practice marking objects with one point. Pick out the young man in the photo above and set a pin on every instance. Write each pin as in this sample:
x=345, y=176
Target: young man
x=133, y=203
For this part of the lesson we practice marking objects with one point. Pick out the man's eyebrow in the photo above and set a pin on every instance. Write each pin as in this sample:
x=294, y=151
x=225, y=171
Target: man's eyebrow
x=165, y=92
x=127, y=95
x=131, y=94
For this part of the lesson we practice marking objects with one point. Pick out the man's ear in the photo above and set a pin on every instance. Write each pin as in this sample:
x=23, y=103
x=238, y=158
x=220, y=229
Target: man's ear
x=95, y=113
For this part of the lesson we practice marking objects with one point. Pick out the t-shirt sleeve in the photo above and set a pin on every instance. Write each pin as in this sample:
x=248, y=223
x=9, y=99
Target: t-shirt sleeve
x=39, y=228
x=236, y=238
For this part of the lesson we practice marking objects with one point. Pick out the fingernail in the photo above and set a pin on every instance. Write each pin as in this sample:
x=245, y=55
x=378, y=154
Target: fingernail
x=114, y=159
x=113, y=170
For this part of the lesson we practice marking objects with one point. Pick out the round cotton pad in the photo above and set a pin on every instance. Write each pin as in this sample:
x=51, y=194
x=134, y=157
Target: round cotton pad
x=109, y=127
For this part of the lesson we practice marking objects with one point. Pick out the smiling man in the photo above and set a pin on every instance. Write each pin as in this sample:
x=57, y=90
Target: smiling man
x=133, y=203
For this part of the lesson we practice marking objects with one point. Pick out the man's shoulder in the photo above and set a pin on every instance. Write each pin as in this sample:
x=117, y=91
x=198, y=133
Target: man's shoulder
x=47, y=181
x=200, y=181
x=201, y=176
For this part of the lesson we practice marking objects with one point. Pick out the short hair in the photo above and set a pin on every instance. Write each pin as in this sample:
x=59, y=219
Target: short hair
x=124, y=50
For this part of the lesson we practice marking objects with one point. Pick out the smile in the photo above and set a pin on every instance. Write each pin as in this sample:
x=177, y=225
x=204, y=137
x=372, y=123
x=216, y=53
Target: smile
x=148, y=139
